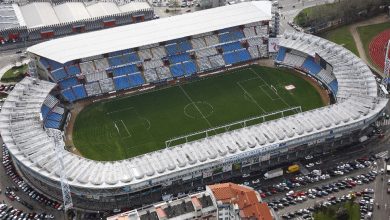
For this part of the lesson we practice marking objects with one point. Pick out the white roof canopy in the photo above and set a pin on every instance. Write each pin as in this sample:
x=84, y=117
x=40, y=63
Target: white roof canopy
x=135, y=35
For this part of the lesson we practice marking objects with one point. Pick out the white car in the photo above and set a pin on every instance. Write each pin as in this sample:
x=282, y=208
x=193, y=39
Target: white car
x=256, y=181
x=309, y=157
x=310, y=165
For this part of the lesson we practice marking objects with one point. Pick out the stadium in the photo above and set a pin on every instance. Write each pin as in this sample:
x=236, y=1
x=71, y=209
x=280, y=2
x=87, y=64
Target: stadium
x=116, y=80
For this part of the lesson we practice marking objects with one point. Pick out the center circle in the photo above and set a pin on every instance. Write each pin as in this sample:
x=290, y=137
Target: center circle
x=198, y=110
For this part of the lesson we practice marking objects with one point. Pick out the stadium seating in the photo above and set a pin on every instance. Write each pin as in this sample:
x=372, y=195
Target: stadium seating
x=73, y=70
x=93, y=88
x=115, y=61
x=179, y=58
x=125, y=70
x=79, y=91
x=52, y=124
x=334, y=86
x=177, y=70
x=243, y=55
x=54, y=116
x=311, y=66
x=45, y=111
x=97, y=75
x=136, y=80
x=211, y=40
x=121, y=82
x=231, y=36
x=281, y=54
x=68, y=83
x=216, y=61
x=171, y=49
x=106, y=85
x=51, y=101
x=231, y=46
x=87, y=67
x=230, y=58
x=68, y=95
x=59, y=74
x=203, y=63
x=163, y=73
x=189, y=68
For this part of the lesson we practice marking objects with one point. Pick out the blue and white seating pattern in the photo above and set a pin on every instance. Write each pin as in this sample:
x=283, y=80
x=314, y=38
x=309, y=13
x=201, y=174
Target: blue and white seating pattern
x=311, y=66
x=156, y=63
x=52, y=114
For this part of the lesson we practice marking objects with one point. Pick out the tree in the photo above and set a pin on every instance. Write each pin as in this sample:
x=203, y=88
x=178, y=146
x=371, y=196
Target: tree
x=342, y=214
x=175, y=4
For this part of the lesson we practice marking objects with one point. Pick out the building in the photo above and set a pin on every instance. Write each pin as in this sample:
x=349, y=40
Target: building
x=227, y=201
x=38, y=21
x=239, y=202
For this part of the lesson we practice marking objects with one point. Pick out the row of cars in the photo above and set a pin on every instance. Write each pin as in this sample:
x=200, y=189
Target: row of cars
x=23, y=186
x=366, y=205
x=6, y=88
x=10, y=213
x=293, y=198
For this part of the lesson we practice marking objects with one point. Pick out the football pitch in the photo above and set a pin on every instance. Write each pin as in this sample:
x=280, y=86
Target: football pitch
x=128, y=126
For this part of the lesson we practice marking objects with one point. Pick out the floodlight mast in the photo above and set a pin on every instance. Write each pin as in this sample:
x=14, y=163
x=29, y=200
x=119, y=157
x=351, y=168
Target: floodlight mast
x=59, y=149
x=385, y=80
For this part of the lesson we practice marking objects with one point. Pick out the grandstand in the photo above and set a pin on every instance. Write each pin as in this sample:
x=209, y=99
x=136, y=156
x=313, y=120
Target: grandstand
x=42, y=20
x=124, y=58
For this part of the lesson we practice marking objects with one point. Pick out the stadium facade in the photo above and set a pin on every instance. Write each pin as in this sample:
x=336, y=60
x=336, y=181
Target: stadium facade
x=163, y=51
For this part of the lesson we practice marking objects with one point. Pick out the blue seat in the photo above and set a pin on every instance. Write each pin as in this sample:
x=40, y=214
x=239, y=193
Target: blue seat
x=121, y=82
x=73, y=70
x=52, y=124
x=177, y=70
x=115, y=61
x=230, y=58
x=59, y=74
x=54, y=65
x=136, y=80
x=133, y=57
x=54, y=116
x=172, y=49
x=281, y=54
x=68, y=95
x=311, y=66
x=231, y=46
x=243, y=55
x=334, y=86
x=189, y=67
x=79, y=91
x=45, y=111
x=179, y=58
x=67, y=83
x=116, y=53
x=44, y=62
x=184, y=46
x=231, y=36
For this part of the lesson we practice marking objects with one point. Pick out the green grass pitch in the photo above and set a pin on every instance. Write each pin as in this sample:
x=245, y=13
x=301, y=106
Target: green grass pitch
x=125, y=127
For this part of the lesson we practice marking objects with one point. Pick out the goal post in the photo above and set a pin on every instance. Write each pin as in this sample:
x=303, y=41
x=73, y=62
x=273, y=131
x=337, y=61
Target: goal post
x=231, y=126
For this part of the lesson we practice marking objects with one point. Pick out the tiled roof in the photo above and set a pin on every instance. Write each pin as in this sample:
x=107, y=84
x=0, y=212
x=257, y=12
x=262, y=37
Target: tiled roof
x=244, y=197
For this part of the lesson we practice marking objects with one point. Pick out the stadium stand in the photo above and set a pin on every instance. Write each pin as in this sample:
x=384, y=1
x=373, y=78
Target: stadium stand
x=310, y=66
x=79, y=91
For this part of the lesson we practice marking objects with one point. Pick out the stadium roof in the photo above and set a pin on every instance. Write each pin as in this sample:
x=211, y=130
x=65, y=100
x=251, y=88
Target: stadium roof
x=357, y=106
x=38, y=14
x=103, y=9
x=134, y=6
x=9, y=16
x=71, y=11
x=135, y=35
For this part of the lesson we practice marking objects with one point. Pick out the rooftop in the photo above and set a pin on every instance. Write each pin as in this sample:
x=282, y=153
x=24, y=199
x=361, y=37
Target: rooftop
x=160, y=30
x=246, y=198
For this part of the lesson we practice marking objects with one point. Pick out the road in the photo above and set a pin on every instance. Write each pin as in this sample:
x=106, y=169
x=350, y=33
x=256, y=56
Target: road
x=291, y=8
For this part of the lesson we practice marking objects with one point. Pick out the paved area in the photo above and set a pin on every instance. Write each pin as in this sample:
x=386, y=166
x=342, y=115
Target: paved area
x=37, y=207
x=291, y=8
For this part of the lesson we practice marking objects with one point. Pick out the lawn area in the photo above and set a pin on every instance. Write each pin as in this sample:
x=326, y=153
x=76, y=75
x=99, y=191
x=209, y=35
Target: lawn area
x=14, y=74
x=341, y=36
x=367, y=33
x=129, y=126
x=329, y=213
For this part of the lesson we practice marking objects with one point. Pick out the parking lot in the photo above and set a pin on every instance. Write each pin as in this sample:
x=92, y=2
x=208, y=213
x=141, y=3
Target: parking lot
x=18, y=199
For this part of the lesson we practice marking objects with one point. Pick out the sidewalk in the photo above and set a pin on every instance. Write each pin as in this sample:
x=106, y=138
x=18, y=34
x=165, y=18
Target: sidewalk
x=9, y=66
